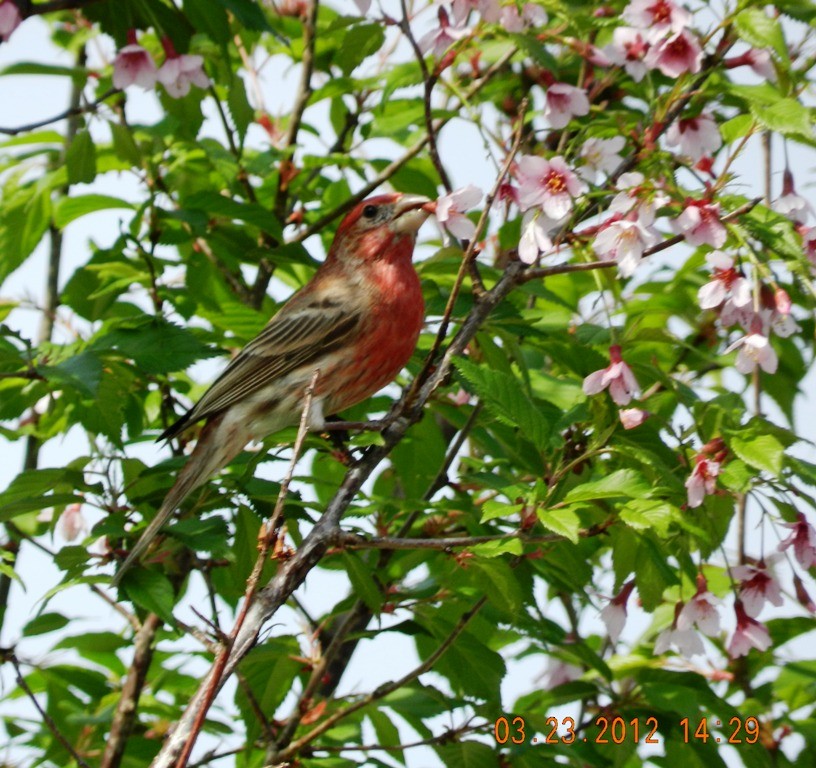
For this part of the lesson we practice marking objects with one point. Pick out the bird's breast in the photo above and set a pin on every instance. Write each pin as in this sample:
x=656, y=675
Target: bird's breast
x=387, y=337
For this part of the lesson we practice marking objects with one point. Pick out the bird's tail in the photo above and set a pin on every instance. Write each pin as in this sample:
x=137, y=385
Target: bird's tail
x=213, y=451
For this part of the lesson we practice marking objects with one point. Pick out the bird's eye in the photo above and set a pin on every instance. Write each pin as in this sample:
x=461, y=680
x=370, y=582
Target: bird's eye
x=370, y=211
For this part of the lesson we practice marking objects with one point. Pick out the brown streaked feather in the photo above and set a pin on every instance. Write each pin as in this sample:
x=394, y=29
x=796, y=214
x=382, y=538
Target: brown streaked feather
x=298, y=334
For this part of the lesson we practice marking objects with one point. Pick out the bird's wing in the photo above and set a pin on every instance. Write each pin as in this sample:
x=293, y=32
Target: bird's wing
x=306, y=328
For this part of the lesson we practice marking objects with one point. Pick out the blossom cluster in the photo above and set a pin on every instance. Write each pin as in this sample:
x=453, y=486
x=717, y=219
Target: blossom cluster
x=134, y=65
x=656, y=36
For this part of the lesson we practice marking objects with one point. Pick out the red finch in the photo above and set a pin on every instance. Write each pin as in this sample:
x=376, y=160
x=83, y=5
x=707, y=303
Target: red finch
x=356, y=322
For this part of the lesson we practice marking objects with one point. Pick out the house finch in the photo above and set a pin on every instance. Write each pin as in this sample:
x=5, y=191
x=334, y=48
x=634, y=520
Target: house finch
x=356, y=323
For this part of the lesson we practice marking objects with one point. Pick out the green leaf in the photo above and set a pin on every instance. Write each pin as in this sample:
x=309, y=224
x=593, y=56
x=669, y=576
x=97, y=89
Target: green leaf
x=362, y=581
x=77, y=74
x=209, y=18
x=623, y=482
x=492, y=510
x=500, y=584
x=652, y=573
x=564, y=521
x=251, y=213
x=24, y=219
x=505, y=398
x=80, y=159
x=44, y=623
x=248, y=13
x=359, y=42
x=70, y=208
x=124, y=145
x=642, y=514
x=37, y=489
x=155, y=345
x=736, y=128
x=387, y=732
x=760, y=30
x=472, y=668
x=760, y=451
x=150, y=590
x=83, y=372
x=269, y=670
x=787, y=116
x=239, y=106
x=498, y=548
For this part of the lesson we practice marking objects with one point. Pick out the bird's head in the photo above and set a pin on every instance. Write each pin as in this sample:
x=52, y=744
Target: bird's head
x=379, y=225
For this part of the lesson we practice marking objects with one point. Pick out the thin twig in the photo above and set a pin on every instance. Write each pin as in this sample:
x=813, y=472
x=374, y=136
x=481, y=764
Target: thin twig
x=469, y=254
x=448, y=736
x=71, y=112
x=386, y=688
x=539, y=273
x=269, y=531
x=47, y=719
x=429, y=79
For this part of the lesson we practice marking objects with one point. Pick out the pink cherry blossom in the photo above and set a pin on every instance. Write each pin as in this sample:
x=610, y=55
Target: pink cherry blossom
x=700, y=224
x=549, y=184
x=628, y=50
x=535, y=237
x=614, y=613
x=696, y=136
x=754, y=350
x=632, y=417
x=805, y=600
x=727, y=283
x=531, y=15
x=450, y=211
x=559, y=672
x=748, y=634
x=617, y=376
x=657, y=16
x=701, y=611
x=809, y=243
x=675, y=55
x=791, y=204
x=731, y=314
x=685, y=641
x=782, y=301
x=442, y=37
x=133, y=65
x=758, y=59
x=803, y=541
x=71, y=522
x=703, y=479
x=489, y=10
x=179, y=73
x=757, y=584
x=632, y=196
x=363, y=6
x=600, y=156
x=10, y=19
x=563, y=102
x=625, y=241
x=100, y=548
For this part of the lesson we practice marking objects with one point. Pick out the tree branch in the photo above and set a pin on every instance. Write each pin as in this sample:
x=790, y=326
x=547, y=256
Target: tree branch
x=124, y=718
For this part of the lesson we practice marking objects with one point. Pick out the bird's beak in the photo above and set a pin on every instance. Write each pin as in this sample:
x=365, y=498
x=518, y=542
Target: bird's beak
x=410, y=211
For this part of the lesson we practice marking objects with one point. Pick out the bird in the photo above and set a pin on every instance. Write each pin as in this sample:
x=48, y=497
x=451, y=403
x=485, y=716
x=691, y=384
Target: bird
x=356, y=323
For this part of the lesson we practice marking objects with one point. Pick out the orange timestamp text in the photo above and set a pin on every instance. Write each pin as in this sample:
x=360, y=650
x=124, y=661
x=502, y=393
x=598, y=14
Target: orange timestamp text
x=618, y=730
